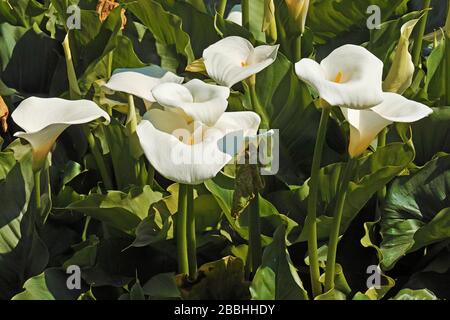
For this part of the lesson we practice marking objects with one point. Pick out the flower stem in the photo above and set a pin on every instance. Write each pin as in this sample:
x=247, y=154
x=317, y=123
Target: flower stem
x=255, y=246
x=256, y=104
x=298, y=48
x=447, y=56
x=98, y=158
x=222, y=7
x=245, y=4
x=311, y=223
x=131, y=117
x=417, y=50
x=191, y=237
x=37, y=189
x=335, y=228
x=181, y=230
x=110, y=64
x=381, y=143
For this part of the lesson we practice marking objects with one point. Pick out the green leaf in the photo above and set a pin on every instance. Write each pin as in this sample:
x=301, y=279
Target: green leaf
x=416, y=212
x=332, y=18
x=372, y=173
x=172, y=43
x=49, y=285
x=218, y=280
x=123, y=211
x=223, y=188
x=408, y=294
x=22, y=252
x=428, y=144
x=162, y=286
x=277, y=278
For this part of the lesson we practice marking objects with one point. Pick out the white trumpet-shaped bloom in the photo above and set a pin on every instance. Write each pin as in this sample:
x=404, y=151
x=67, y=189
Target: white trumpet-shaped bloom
x=199, y=101
x=365, y=125
x=350, y=77
x=234, y=59
x=140, y=84
x=44, y=119
x=188, y=152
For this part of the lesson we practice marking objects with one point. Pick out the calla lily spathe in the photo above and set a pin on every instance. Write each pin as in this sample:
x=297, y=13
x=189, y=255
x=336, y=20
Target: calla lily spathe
x=365, y=125
x=199, y=101
x=234, y=59
x=351, y=77
x=235, y=15
x=186, y=152
x=45, y=119
x=139, y=84
x=401, y=73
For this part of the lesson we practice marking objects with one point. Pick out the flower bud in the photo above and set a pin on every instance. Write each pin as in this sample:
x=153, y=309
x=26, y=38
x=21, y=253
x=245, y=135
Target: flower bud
x=298, y=10
x=269, y=23
x=401, y=74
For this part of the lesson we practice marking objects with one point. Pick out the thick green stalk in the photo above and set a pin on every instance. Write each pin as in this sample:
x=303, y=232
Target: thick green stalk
x=222, y=6
x=446, y=79
x=417, y=49
x=245, y=4
x=381, y=143
x=37, y=189
x=334, y=233
x=311, y=222
x=131, y=117
x=110, y=64
x=298, y=48
x=191, y=236
x=256, y=105
x=255, y=246
x=181, y=230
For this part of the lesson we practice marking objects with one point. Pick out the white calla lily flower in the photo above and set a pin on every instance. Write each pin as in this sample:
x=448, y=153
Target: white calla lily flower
x=351, y=77
x=186, y=152
x=234, y=59
x=139, y=84
x=199, y=101
x=44, y=119
x=365, y=125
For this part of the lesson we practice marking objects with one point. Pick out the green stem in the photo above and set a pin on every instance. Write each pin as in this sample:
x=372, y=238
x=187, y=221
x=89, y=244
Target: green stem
x=256, y=105
x=381, y=143
x=255, y=246
x=311, y=224
x=245, y=4
x=37, y=189
x=181, y=230
x=417, y=49
x=131, y=117
x=110, y=64
x=298, y=48
x=447, y=57
x=335, y=229
x=191, y=236
x=222, y=6
x=98, y=157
